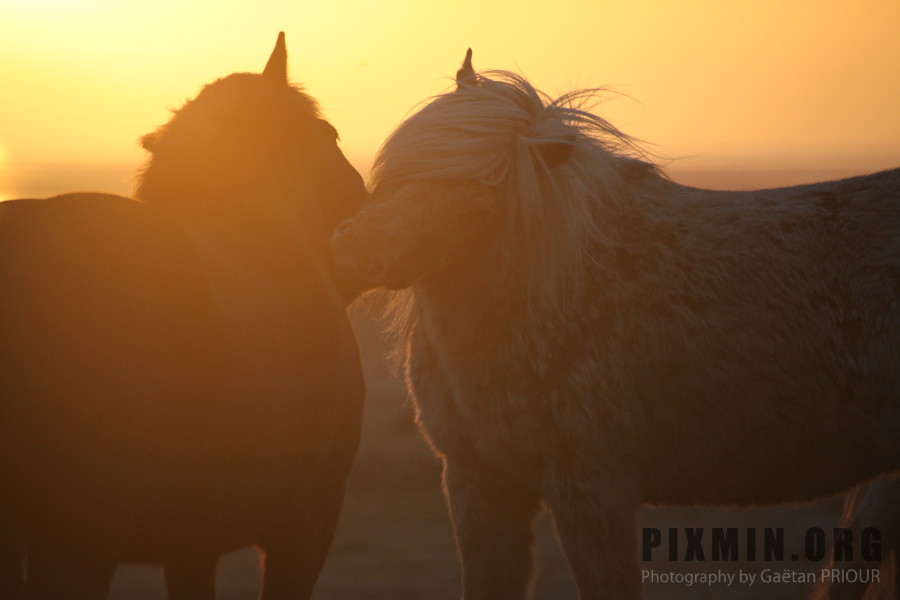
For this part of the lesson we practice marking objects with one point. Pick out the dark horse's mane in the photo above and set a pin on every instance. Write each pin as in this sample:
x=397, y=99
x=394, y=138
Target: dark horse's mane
x=251, y=157
x=232, y=156
x=226, y=144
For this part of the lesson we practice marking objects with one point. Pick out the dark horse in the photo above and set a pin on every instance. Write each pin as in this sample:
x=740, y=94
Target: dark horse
x=178, y=377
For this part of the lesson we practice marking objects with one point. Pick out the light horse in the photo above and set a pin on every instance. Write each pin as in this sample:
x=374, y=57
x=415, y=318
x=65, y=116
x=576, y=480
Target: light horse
x=179, y=378
x=580, y=331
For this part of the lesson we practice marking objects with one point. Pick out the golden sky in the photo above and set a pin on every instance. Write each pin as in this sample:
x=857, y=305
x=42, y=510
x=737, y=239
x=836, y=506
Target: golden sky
x=712, y=83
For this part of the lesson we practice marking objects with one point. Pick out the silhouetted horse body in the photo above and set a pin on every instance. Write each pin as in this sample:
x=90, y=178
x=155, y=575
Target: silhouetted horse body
x=179, y=378
x=582, y=333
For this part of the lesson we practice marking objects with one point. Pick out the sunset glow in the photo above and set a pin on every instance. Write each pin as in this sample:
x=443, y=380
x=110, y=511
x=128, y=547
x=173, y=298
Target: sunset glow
x=713, y=85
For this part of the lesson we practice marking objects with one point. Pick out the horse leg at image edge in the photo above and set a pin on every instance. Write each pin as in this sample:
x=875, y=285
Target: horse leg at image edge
x=875, y=505
x=192, y=577
x=493, y=525
x=596, y=529
x=294, y=560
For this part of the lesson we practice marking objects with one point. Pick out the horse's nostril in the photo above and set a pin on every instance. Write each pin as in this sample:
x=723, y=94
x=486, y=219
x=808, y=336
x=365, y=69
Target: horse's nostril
x=372, y=269
x=343, y=227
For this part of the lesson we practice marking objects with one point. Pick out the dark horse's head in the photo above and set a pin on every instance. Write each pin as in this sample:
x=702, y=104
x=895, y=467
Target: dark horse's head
x=251, y=148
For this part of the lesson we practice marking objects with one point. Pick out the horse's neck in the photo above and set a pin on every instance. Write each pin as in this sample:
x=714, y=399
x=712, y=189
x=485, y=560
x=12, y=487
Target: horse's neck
x=487, y=311
x=475, y=325
x=264, y=228
x=261, y=279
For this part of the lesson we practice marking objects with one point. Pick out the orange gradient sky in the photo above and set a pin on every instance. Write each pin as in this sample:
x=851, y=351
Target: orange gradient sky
x=715, y=84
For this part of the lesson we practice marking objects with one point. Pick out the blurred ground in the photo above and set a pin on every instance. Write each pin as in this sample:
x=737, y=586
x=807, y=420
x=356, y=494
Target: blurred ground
x=395, y=541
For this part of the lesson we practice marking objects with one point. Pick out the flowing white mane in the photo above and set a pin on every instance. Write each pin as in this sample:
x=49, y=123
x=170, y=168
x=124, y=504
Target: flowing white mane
x=484, y=131
x=498, y=132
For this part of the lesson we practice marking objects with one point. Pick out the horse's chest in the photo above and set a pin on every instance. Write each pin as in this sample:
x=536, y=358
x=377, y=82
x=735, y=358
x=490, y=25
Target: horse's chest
x=269, y=336
x=473, y=416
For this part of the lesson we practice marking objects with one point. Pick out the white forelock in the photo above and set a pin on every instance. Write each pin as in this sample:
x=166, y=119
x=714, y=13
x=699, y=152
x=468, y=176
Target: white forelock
x=496, y=133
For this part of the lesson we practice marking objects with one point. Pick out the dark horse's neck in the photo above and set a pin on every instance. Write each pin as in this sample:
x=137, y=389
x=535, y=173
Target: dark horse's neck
x=271, y=232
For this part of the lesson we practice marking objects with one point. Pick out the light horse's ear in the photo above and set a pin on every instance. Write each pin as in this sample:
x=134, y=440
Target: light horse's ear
x=555, y=154
x=466, y=75
x=276, y=68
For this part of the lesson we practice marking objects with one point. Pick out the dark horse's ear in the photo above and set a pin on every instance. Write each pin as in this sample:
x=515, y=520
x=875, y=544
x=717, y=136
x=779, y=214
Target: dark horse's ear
x=466, y=75
x=148, y=142
x=276, y=68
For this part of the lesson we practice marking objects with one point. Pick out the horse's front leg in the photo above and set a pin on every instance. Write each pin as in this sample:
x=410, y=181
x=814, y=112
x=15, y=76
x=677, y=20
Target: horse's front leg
x=192, y=577
x=595, y=521
x=295, y=557
x=493, y=524
x=876, y=505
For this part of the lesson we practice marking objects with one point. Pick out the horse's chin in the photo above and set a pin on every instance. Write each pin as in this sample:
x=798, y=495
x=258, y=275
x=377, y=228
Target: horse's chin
x=396, y=278
x=396, y=283
x=352, y=286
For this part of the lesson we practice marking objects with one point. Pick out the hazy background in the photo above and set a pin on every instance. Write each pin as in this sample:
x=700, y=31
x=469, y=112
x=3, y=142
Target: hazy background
x=766, y=86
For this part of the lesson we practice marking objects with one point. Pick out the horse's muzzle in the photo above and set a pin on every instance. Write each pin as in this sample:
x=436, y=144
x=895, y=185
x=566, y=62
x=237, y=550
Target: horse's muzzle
x=353, y=262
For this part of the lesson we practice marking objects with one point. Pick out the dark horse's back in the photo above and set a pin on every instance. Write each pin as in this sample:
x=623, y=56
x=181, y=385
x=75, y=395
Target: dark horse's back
x=111, y=355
